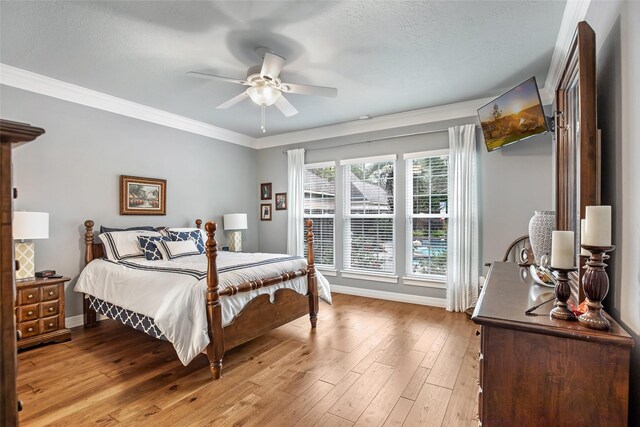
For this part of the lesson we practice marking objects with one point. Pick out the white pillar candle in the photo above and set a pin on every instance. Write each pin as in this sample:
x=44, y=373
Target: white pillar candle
x=583, y=237
x=598, y=225
x=562, y=249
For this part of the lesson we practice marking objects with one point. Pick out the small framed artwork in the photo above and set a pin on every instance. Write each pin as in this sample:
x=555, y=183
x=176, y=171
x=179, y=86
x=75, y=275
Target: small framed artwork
x=142, y=196
x=281, y=201
x=265, y=212
x=265, y=191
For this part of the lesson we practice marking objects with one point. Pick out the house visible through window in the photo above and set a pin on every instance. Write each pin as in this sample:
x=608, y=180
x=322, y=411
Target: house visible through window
x=427, y=213
x=369, y=214
x=320, y=206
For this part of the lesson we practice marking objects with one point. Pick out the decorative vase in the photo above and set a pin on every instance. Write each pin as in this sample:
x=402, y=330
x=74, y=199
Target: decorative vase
x=541, y=228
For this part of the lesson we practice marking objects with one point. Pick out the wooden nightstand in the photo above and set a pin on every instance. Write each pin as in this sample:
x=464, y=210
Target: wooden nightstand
x=40, y=311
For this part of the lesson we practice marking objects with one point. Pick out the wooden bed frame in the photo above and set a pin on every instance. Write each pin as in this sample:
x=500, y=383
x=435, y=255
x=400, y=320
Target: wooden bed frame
x=258, y=317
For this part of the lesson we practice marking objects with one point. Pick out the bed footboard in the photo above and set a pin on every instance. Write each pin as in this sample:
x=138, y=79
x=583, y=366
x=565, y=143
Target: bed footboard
x=260, y=315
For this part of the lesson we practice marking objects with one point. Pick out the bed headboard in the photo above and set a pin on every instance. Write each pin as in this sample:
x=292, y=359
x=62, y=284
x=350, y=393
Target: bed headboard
x=95, y=250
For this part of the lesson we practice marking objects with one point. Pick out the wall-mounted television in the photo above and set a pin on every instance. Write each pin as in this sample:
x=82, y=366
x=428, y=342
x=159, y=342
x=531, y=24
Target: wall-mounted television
x=514, y=116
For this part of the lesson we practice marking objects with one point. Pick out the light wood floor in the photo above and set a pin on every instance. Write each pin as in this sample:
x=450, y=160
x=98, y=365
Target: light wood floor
x=370, y=363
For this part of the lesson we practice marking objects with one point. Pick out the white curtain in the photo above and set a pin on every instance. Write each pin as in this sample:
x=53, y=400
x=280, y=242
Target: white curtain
x=462, y=246
x=295, y=210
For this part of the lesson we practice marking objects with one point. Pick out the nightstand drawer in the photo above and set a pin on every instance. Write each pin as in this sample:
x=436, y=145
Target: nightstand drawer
x=48, y=324
x=29, y=329
x=49, y=308
x=50, y=292
x=28, y=296
x=27, y=312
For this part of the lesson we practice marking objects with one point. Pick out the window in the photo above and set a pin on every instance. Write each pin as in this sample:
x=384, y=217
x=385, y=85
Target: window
x=427, y=213
x=320, y=207
x=369, y=214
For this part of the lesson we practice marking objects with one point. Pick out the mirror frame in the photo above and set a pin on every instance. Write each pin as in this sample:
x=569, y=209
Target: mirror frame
x=578, y=154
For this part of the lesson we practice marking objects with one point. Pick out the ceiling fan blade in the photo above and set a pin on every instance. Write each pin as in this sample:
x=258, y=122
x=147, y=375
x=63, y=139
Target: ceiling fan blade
x=212, y=77
x=233, y=101
x=331, y=92
x=271, y=65
x=285, y=107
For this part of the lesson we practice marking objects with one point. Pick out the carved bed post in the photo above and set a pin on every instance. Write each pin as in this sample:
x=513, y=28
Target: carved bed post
x=89, y=313
x=198, y=223
x=215, y=349
x=311, y=277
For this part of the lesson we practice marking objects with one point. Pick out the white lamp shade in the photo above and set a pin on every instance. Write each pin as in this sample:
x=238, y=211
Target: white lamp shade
x=237, y=221
x=30, y=225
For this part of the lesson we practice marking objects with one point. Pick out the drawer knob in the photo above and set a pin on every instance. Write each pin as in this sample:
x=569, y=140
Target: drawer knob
x=30, y=296
x=29, y=313
x=51, y=325
x=50, y=293
x=30, y=330
x=50, y=308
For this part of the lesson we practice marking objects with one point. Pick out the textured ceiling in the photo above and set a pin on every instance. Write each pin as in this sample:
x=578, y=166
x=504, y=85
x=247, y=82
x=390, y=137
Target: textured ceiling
x=384, y=57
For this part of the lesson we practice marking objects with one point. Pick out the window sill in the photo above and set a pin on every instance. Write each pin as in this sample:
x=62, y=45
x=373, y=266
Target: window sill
x=327, y=271
x=425, y=282
x=386, y=278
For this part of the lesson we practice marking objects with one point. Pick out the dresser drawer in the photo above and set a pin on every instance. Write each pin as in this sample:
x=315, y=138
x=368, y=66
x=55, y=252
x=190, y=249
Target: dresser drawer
x=28, y=296
x=49, y=308
x=27, y=312
x=50, y=292
x=29, y=329
x=49, y=324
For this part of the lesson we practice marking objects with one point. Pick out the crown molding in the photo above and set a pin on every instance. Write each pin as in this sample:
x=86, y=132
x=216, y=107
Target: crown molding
x=389, y=121
x=33, y=82
x=574, y=12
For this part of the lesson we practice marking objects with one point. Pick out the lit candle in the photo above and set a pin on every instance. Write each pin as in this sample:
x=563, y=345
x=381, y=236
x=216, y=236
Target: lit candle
x=598, y=226
x=583, y=237
x=562, y=249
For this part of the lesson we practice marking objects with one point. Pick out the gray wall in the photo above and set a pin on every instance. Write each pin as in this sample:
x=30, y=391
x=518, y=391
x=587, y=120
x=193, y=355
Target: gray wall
x=617, y=27
x=73, y=171
x=513, y=183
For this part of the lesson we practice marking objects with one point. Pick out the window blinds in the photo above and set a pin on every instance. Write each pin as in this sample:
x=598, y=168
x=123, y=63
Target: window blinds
x=369, y=215
x=320, y=207
x=427, y=214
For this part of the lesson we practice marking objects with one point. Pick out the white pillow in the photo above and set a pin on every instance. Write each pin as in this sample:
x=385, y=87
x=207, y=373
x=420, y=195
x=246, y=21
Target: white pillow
x=124, y=244
x=177, y=249
x=202, y=231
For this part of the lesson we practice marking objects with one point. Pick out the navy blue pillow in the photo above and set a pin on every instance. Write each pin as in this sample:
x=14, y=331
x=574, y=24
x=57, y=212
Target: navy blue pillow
x=149, y=246
x=195, y=235
x=139, y=228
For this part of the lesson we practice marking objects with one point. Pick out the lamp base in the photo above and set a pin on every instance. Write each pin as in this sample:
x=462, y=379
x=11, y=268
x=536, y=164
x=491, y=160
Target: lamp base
x=235, y=241
x=25, y=255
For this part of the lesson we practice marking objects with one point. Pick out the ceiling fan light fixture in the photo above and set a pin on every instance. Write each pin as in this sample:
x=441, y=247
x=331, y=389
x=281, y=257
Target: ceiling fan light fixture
x=264, y=95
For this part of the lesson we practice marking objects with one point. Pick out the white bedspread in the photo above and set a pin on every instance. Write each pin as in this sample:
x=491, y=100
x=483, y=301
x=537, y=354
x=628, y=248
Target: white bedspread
x=173, y=293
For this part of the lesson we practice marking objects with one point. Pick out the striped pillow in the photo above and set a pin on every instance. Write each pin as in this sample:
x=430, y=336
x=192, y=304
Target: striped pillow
x=124, y=244
x=178, y=249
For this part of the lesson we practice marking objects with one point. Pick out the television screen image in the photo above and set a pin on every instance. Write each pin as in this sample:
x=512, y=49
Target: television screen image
x=514, y=116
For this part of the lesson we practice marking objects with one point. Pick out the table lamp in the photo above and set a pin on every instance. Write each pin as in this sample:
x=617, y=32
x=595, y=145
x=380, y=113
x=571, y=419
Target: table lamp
x=235, y=223
x=28, y=226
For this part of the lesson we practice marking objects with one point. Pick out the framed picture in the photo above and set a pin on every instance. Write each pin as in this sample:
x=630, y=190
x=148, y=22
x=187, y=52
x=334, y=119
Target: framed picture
x=265, y=212
x=281, y=201
x=265, y=191
x=142, y=196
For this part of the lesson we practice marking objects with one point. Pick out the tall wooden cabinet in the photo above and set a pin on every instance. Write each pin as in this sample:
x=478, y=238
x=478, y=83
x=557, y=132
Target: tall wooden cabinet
x=539, y=371
x=12, y=134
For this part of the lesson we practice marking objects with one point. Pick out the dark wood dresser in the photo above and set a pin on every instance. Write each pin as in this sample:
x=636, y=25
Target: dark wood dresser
x=539, y=371
x=12, y=134
x=40, y=311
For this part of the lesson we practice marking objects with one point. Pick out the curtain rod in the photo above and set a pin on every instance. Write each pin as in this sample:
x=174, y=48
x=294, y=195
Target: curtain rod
x=368, y=141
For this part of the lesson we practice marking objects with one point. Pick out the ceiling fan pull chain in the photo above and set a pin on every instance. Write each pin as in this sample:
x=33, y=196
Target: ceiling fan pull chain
x=263, y=127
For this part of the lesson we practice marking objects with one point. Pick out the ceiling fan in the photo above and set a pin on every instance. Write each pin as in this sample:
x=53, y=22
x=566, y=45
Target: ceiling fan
x=266, y=88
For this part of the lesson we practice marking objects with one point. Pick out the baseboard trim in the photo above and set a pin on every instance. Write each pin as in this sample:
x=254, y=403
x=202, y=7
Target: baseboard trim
x=74, y=321
x=390, y=296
